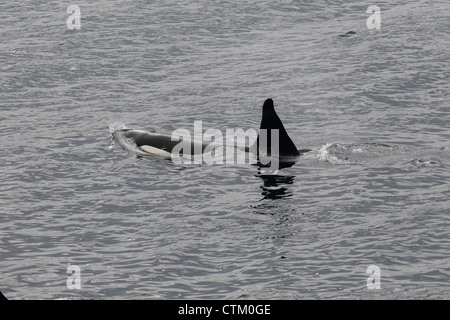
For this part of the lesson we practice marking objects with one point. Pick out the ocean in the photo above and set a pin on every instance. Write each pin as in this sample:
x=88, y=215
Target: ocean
x=364, y=215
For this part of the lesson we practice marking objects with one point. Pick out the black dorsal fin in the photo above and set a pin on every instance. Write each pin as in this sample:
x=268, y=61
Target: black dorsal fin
x=270, y=120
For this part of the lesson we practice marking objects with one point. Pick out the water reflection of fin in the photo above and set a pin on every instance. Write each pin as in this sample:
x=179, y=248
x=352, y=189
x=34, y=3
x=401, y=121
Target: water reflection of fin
x=275, y=186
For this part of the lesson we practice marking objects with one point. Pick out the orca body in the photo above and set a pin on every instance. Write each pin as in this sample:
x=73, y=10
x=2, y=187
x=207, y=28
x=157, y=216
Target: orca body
x=159, y=144
x=163, y=145
x=270, y=120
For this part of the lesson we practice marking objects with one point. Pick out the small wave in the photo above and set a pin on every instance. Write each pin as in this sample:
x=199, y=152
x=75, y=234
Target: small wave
x=117, y=126
x=423, y=163
x=325, y=154
x=353, y=153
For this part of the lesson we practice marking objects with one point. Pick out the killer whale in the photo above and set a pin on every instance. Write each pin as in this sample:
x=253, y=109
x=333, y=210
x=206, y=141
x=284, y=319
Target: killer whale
x=163, y=145
x=159, y=144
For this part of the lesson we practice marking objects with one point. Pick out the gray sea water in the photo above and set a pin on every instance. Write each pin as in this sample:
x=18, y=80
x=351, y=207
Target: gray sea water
x=373, y=105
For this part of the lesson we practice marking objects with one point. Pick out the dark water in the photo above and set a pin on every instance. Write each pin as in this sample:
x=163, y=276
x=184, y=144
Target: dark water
x=373, y=106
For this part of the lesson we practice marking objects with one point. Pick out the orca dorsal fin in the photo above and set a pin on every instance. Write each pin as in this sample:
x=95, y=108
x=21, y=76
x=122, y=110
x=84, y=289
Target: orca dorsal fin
x=270, y=120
